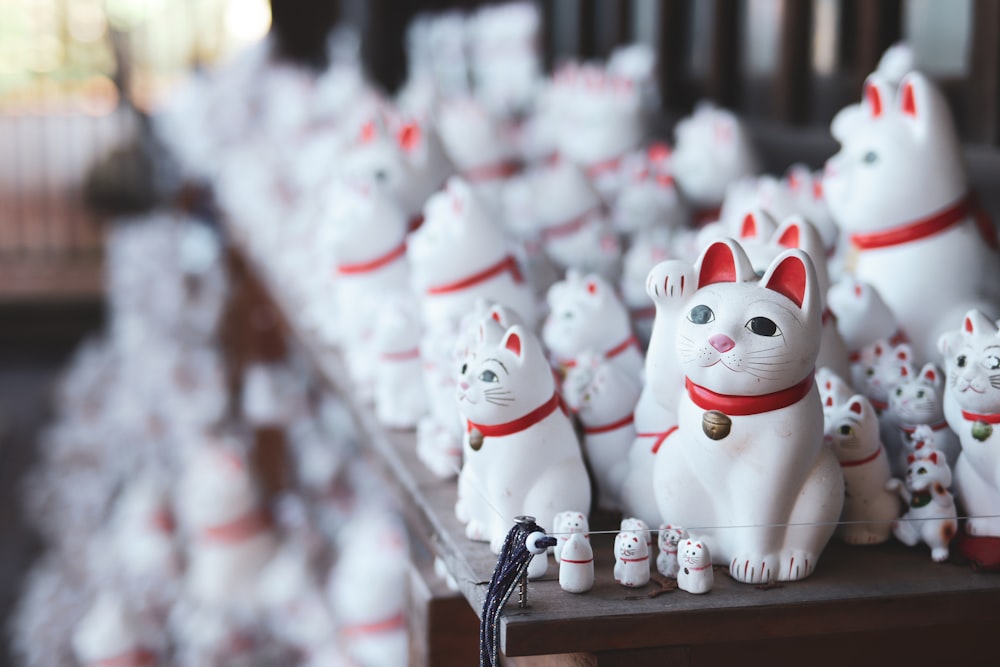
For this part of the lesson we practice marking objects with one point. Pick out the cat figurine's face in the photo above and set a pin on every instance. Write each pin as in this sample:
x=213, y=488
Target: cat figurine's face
x=506, y=382
x=923, y=470
x=918, y=399
x=740, y=335
x=570, y=522
x=899, y=158
x=670, y=536
x=850, y=428
x=880, y=367
x=584, y=313
x=361, y=219
x=694, y=554
x=630, y=544
x=972, y=364
x=648, y=196
x=216, y=486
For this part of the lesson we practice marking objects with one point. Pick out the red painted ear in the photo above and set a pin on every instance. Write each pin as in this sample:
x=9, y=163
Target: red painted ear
x=874, y=98
x=749, y=229
x=930, y=375
x=910, y=458
x=904, y=371
x=857, y=290
x=717, y=266
x=793, y=181
x=513, y=343
x=968, y=325
x=409, y=136
x=368, y=132
x=698, y=545
x=789, y=278
x=909, y=104
x=817, y=189
x=496, y=316
x=790, y=238
x=933, y=457
x=658, y=152
x=829, y=401
x=591, y=287
x=856, y=407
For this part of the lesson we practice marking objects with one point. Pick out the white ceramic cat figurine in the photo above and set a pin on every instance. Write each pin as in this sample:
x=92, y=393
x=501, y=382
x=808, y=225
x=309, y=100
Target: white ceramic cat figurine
x=109, y=634
x=918, y=400
x=643, y=254
x=648, y=198
x=603, y=397
x=898, y=188
x=877, y=371
x=631, y=559
x=439, y=433
x=585, y=314
x=143, y=536
x=576, y=564
x=862, y=315
x=711, y=150
x=851, y=430
x=669, y=538
x=801, y=193
x=637, y=525
x=748, y=456
x=400, y=395
x=229, y=532
x=292, y=596
x=567, y=524
x=972, y=407
x=695, y=573
x=510, y=402
x=506, y=84
x=931, y=517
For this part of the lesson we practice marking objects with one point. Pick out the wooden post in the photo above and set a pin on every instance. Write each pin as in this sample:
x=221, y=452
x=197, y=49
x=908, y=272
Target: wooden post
x=983, y=88
x=723, y=81
x=671, y=53
x=792, y=90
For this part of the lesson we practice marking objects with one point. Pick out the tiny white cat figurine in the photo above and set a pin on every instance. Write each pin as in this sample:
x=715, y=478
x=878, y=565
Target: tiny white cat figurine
x=637, y=525
x=972, y=407
x=918, y=400
x=576, y=564
x=567, y=524
x=711, y=150
x=899, y=189
x=631, y=559
x=109, y=634
x=585, y=314
x=603, y=397
x=878, y=369
x=509, y=400
x=932, y=517
x=669, y=539
x=862, y=316
x=852, y=432
x=695, y=573
x=400, y=395
x=748, y=455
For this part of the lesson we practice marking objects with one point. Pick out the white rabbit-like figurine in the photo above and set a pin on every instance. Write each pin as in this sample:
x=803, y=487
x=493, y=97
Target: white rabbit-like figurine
x=695, y=573
x=576, y=564
x=631, y=559
x=668, y=540
x=931, y=517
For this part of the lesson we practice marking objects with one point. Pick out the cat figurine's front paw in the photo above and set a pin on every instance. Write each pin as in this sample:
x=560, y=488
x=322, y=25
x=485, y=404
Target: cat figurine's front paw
x=474, y=530
x=795, y=564
x=670, y=283
x=754, y=568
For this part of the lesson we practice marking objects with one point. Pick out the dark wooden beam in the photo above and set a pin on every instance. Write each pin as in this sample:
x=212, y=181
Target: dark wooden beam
x=982, y=122
x=671, y=54
x=586, y=40
x=878, y=25
x=723, y=81
x=792, y=82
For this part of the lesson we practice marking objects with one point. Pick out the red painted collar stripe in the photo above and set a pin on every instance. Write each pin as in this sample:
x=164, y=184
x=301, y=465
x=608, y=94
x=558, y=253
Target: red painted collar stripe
x=576, y=562
x=699, y=569
x=634, y=560
x=239, y=529
x=568, y=228
x=406, y=355
x=507, y=264
x=739, y=406
x=614, y=426
x=660, y=437
x=393, y=623
x=923, y=227
x=976, y=417
x=375, y=264
x=859, y=462
x=906, y=428
x=612, y=353
x=491, y=172
x=518, y=425
x=600, y=168
x=138, y=657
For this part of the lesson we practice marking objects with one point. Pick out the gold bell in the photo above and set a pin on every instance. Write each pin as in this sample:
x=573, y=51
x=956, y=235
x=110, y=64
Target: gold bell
x=475, y=440
x=716, y=425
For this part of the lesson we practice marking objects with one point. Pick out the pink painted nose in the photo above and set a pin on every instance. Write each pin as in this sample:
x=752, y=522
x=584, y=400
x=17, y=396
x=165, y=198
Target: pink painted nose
x=721, y=342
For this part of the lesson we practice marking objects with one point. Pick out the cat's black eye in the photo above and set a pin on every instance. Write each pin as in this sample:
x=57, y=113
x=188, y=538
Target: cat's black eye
x=701, y=315
x=992, y=362
x=381, y=175
x=921, y=470
x=869, y=372
x=465, y=367
x=960, y=362
x=846, y=430
x=899, y=391
x=762, y=326
x=488, y=376
x=921, y=394
x=568, y=315
x=871, y=157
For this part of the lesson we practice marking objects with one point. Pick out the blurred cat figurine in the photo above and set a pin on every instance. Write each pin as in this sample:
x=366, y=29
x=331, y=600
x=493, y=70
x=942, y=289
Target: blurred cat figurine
x=567, y=524
x=931, y=517
x=899, y=189
x=603, y=397
x=576, y=564
x=695, y=574
x=749, y=415
x=918, y=400
x=669, y=538
x=876, y=372
x=509, y=400
x=851, y=430
x=400, y=396
x=648, y=199
x=108, y=634
x=972, y=407
x=863, y=317
x=631, y=559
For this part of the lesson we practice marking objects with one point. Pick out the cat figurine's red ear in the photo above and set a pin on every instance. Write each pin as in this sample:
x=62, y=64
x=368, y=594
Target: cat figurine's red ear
x=724, y=262
x=789, y=276
x=512, y=342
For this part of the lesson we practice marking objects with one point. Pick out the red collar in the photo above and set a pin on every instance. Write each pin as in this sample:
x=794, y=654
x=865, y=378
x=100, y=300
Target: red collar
x=405, y=355
x=612, y=353
x=163, y=521
x=392, y=623
x=137, y=657
x=879, y=405
x=906, y=428
x=239, y=529
x=491, y=172
x=703, y=216
x=568, y=228
x=614, y=426
x=375, y=264
x=975, y=417
x=634, y=560
x=519, y=424
x=921, y=228
x=660, y=437
x=507, y=264
x=600, y=168
x=698, y=569
x=576, y=562
x=740, y=406
x=860, y=462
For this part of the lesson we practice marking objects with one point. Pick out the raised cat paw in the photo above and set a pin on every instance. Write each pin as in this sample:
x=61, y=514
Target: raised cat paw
x=795, y=564
x=670, y=283
x=753, y=568
x=475, y=530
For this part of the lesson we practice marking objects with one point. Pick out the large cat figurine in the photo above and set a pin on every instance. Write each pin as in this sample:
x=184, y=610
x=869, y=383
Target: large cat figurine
x=918, y=400
x=747, y=461
x=508, y=396
x=898, y=189
x=972, y=407
x=851, y=430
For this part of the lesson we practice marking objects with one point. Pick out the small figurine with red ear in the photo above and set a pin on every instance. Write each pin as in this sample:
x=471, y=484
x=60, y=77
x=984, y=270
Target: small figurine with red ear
x=631, y=559
x=695, y=574
x=918, y=400
x=931, y=518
